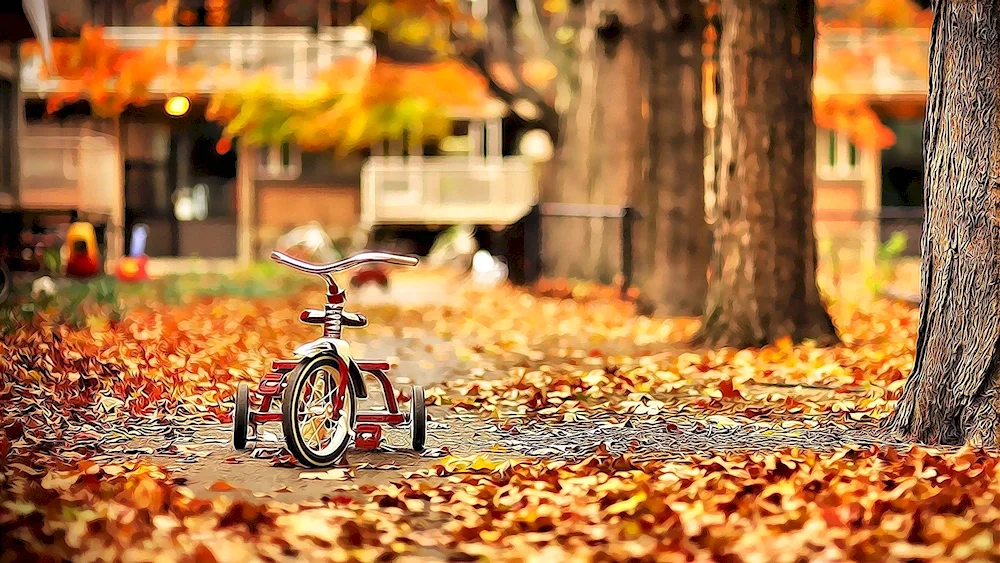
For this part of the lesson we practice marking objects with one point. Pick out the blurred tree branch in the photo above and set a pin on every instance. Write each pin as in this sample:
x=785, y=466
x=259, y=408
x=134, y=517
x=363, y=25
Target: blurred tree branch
x=499, y=52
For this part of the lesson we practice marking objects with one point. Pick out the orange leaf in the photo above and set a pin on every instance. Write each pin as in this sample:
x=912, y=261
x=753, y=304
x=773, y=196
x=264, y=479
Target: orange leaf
x=221, y=487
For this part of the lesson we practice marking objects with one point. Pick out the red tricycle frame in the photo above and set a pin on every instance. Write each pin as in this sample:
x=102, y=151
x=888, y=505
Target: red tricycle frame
x=273, y=384
x=292, y=382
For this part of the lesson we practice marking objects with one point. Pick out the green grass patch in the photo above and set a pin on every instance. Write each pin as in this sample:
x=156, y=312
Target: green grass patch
x=72, y=304
x=104, y=297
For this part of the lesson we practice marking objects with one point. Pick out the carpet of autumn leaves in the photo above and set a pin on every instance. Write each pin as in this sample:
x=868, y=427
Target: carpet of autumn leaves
x=527, y=356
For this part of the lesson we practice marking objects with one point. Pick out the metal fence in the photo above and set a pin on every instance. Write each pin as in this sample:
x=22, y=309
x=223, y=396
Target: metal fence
x=620, y=218
x=865, y=236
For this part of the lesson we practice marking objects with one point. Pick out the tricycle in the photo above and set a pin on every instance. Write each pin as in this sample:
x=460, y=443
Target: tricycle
x=319, y=388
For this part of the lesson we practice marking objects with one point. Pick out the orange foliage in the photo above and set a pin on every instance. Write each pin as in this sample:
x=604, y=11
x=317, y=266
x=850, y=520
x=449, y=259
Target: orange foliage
x=111, y=78
x=892, y=34
x=348, y=104
x=854, y=116
x=449, y=82
x=894, y=14
x=352, y=104
x=96, y=69
x=165, y=13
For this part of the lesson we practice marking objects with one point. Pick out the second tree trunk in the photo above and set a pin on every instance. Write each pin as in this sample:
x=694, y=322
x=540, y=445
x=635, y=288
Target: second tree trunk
x=762, y=279
x=672, y=240
x=636, y=137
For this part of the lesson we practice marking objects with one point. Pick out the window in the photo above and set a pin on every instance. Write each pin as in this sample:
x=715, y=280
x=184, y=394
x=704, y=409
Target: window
x=148, y=179
x=146, y=192
x=281, y=162
x=837, y=156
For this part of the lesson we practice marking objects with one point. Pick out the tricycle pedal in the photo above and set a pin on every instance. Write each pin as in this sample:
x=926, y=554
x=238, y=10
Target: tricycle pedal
x=367, y=436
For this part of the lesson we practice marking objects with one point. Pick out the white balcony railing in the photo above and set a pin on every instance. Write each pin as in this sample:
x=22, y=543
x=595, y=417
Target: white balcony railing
x=295, y=53
x=872, y=61
x=69, y=168
x=446, y=190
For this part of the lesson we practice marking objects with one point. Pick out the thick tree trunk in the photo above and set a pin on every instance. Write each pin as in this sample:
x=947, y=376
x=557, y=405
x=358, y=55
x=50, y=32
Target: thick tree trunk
x=672, y=240
x=762, y=283
x=636, y=136
x=951, y=396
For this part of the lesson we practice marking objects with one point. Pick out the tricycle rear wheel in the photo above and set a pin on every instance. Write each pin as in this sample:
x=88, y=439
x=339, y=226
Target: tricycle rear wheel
x=241, y=417
x=418, y=418
x=6, y=281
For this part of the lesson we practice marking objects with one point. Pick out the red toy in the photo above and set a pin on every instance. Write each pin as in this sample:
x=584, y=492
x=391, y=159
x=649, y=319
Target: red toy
x=82, y=260
x=319, y=389
x=371, y=274
x=132, y=268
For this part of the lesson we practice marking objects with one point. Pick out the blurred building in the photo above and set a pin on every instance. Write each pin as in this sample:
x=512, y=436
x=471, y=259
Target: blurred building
x=864, y=195
x=232, y=203
x=8, y=123
x=18, y=21
x=199, y=201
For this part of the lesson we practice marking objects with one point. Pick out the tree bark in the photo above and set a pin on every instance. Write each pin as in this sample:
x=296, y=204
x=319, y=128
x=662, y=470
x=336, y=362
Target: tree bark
x=636, y=136
x=672, y=239
x=762, y=278
x=951, y=397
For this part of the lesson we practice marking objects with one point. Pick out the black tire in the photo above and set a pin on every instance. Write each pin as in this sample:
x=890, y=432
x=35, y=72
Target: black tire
x=294, y=441
x=6, y=282
x=418, y=418
x=241, y=417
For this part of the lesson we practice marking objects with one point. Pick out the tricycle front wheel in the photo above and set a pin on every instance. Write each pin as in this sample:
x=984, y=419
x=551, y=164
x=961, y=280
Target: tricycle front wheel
x=314, y=433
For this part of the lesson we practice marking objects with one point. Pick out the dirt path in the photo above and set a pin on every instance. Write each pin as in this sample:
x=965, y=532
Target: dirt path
x=204, y=456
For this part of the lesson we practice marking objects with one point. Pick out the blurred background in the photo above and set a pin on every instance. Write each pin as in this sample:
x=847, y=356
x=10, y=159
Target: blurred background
x=199, y=135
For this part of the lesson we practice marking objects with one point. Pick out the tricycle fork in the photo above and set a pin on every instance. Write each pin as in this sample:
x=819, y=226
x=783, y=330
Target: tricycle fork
x=343, y=380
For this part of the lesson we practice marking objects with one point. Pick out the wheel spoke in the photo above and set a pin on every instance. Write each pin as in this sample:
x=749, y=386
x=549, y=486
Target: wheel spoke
x=320, y=426
x=309, y=430
x=313, y=389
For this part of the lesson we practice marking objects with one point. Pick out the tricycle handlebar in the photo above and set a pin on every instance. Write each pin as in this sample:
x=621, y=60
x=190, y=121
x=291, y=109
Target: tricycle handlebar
x=345, y=264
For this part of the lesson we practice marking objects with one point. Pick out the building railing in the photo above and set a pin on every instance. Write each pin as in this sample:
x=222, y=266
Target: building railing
x=69, y=169
x=296, y=54
x=446, y=190
x=872, y=61
x=849, y=232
